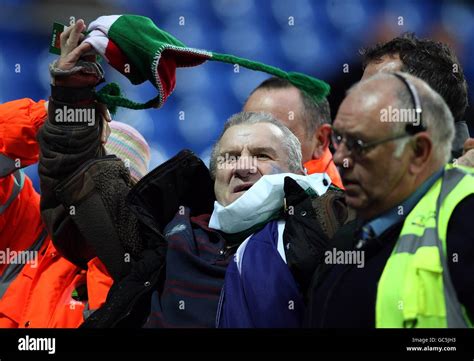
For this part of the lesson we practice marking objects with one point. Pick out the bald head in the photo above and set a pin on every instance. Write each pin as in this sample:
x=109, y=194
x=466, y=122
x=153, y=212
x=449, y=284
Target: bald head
x=377, y=111
x=398, y=109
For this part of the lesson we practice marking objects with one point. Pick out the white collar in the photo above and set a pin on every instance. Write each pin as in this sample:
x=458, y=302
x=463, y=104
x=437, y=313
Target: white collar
x=261, y=201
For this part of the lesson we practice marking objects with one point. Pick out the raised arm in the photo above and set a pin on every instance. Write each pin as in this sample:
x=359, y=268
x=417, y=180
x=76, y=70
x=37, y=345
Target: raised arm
x=76, y=176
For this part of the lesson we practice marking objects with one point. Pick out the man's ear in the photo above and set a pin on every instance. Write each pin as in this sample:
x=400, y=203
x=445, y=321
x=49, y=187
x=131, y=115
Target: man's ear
x=468, y=145
x=322, y=135
x=422, y=146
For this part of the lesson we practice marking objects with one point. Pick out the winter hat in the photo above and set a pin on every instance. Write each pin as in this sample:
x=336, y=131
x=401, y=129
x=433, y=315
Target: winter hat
x=129, y=145
x=141, y=51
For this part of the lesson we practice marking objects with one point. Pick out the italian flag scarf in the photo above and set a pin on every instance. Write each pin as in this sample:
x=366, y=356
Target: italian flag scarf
x=141, y=51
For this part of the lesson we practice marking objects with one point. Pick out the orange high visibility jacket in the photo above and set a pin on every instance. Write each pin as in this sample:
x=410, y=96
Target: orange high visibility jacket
x=325, y=164
x=38, y=287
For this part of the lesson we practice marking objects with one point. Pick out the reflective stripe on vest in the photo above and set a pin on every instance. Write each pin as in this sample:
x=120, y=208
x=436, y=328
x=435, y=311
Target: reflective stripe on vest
x=19, y=177
x=415, y=289
x=7, y=165
x=14, y=269
x=87, y=311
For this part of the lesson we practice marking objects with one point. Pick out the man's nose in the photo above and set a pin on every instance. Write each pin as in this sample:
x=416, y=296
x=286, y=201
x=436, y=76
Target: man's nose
x=245, y=166
x=342, y=157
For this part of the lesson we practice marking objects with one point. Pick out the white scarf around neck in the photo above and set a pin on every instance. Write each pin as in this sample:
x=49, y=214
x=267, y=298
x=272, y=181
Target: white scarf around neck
x=261, y=201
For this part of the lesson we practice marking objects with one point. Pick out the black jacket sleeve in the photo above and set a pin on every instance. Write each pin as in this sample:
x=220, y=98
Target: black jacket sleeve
x=460, y=248
x=64, y=148
x=311, y=222
x=83, y=191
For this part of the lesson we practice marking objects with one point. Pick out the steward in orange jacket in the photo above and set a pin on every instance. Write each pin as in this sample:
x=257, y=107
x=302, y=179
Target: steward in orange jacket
x=38, y=287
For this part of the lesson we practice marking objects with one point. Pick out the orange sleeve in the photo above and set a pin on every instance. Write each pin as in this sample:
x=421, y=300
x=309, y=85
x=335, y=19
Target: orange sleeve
x=98, y=283
x=19, y=123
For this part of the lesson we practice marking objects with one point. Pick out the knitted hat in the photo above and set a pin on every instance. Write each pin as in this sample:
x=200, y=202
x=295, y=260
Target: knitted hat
x=141, y=51
x=129, y=145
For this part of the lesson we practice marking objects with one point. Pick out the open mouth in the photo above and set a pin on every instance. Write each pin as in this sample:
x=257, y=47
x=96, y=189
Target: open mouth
x=242, y=187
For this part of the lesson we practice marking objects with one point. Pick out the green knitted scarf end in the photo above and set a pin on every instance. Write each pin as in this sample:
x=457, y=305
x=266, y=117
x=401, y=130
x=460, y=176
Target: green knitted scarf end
x=111, y=95
x=315, y=88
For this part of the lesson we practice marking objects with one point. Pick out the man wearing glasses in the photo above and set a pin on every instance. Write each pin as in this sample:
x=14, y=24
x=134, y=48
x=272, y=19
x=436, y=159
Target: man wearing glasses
x=412, y=228
x=435, y=63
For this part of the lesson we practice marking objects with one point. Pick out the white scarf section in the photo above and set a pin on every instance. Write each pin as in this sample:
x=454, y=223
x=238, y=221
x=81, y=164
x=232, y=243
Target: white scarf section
x=261, y=201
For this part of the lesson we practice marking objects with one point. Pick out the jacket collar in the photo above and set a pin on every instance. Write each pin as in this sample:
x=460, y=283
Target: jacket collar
x=158, y=196
x=325, y=164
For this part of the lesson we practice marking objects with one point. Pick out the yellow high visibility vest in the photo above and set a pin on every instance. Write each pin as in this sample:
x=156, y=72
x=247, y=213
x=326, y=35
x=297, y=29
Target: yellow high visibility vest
x=415, y=289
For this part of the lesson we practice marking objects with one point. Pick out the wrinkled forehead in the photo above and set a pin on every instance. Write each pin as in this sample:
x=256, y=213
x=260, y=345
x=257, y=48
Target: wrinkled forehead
x=365, y=108
x=252, y=135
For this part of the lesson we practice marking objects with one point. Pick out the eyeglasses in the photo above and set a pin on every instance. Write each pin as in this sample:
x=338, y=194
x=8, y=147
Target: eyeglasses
x=358, y=147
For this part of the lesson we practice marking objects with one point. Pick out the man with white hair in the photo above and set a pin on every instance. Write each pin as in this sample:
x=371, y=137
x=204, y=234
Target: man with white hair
x=167, y=240
x=412, y=232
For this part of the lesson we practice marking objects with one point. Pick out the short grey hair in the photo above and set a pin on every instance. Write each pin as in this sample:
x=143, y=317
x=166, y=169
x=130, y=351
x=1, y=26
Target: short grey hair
x=315, y=113
x=436, y=117
x=290, y=141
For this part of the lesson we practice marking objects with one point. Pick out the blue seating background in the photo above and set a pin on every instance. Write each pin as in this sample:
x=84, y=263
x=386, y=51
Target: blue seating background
x=326, y=34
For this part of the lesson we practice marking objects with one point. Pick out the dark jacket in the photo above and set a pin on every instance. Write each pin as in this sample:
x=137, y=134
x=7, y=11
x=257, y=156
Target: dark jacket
x=344, y=296
x=174, y=260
